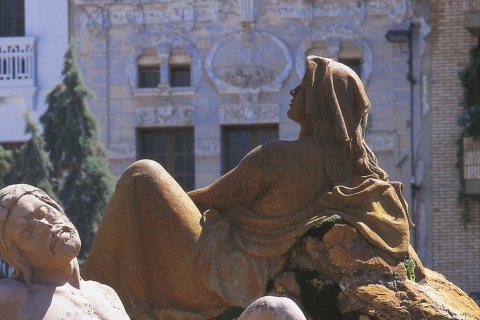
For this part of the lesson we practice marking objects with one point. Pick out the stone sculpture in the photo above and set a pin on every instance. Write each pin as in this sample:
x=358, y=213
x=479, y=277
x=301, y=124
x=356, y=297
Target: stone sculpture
x=41, y=244
x=170, y=254
x=333, y=273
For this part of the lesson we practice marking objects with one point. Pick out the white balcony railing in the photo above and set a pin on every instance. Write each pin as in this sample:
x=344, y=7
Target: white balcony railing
x=17, y=61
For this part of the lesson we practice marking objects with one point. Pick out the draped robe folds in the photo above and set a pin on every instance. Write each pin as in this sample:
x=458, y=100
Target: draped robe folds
x=237, y=252
x=166, y=260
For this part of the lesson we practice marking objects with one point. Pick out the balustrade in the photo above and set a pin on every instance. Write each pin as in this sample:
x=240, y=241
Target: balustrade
x=17, y=61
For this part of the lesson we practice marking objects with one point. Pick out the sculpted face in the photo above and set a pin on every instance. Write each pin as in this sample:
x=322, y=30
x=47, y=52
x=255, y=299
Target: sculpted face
x=42, y=233
x=298, y=107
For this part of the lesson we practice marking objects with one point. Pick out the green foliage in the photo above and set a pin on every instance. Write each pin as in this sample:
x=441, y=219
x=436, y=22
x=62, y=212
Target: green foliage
x=5, y=165
x=469, y=120
x=35, y=167
x=410, y=265
x=9, y=167
x=83, y=181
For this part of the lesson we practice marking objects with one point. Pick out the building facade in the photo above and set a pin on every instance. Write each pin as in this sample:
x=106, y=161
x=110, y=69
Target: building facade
x=33, y=40
x=197, y=84
x=450, y=248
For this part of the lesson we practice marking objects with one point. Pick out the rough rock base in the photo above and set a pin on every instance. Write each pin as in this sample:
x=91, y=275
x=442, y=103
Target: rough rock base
x=333, y=273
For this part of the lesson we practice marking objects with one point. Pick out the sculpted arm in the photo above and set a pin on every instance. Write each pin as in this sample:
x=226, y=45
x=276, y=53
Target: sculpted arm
x=241, y=185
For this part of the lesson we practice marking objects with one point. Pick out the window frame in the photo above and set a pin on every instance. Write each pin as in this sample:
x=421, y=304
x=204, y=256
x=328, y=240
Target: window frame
x=225, y=165
x=170, y=153
x=14, y=17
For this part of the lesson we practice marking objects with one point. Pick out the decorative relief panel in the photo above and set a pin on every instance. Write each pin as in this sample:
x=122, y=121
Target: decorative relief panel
x=95, y=18
x=238, y=63
x=164, y=114
x=189, y=12
x=249, y=113
x=207, y=148
x=398, y=10
x=121, y=150
x=380, y=141
x=333, y=36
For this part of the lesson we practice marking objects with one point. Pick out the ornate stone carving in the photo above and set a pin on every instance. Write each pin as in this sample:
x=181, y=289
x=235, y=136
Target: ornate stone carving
x=245, y=76
x=248, y=113
x=247, y=10
x=95, y=19
x=207, y=148
x=137, y=18
x=398, y=10
x=122, y=150
x=380, y=141
x=164, y=114
x=237, y=63
x=250, y=10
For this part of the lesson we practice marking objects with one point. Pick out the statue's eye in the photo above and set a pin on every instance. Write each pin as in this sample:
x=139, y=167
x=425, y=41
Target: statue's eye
x=40, y=212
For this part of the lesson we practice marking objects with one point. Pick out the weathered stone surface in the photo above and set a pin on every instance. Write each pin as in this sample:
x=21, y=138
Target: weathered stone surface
x=41, y=244
x=336, y=274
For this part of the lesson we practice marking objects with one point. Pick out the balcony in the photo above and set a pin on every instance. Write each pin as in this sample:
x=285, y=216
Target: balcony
x=471, y=16
x=471, y=167
x=17, y=67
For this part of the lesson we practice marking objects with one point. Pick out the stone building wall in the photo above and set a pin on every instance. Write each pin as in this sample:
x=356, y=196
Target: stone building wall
x=456, y=251
x=221, y=38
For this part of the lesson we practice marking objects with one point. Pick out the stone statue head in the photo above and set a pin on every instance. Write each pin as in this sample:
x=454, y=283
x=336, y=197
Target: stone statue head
x=335, y=115
x=34, y=231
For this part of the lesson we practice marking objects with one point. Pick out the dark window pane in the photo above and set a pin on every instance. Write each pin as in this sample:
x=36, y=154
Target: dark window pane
x=238, y=141
x=179, y=142
x=180, y=76
x=148, y=77
x=148, y=144
x=173, y=149
x=179, y=165
x=12, y=18
x=354, y=64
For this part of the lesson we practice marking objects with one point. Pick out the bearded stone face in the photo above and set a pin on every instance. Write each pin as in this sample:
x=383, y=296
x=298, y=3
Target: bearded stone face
x=41, y=233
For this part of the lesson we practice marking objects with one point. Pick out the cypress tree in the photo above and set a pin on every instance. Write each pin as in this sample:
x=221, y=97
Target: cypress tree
x=83, y=181
x=6, y=159
x=35, y=167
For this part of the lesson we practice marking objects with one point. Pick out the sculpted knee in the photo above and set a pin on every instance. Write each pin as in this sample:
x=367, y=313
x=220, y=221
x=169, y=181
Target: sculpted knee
x=147, y=175
x=273, y=308
x=144, y=170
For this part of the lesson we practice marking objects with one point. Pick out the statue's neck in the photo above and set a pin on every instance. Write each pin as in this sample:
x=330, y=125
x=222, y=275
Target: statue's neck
x=69, y=273
x=306, y=129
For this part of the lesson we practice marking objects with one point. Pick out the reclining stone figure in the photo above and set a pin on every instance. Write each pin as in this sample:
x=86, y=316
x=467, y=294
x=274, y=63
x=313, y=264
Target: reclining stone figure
x=172, y=254
x=41, y=244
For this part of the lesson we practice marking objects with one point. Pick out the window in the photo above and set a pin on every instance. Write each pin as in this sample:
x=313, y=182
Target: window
x=179, y=76
x=173, y=149
x=317, y=48
x=148, y=77
x=179, y=68
x=240, y=140
x=351, y=56
x=12, y=18
x=149, y=69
